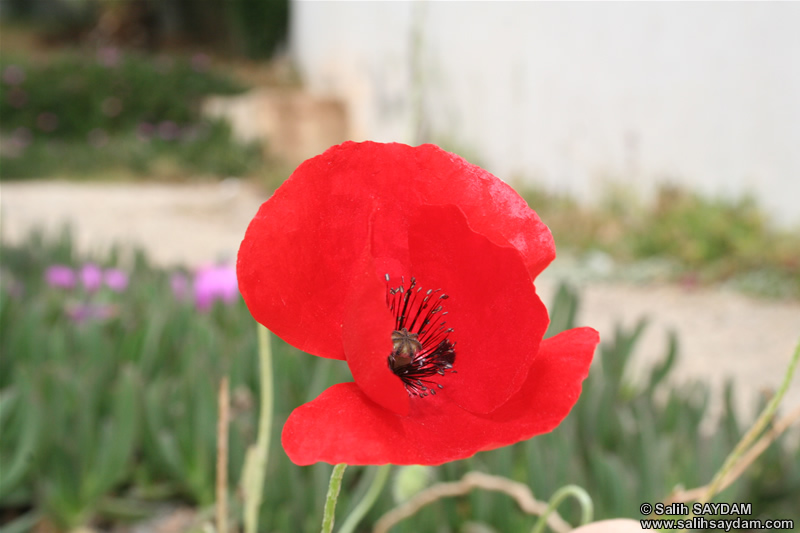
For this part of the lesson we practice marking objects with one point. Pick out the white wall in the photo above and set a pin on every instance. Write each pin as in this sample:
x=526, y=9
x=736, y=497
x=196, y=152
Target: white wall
x=574, y=94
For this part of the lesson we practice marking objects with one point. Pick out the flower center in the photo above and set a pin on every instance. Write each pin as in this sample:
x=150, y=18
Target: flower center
x=420, y=347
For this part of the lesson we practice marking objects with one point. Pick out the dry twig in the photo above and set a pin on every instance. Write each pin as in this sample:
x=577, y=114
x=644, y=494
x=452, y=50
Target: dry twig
x=471, y=480
x=743, y=463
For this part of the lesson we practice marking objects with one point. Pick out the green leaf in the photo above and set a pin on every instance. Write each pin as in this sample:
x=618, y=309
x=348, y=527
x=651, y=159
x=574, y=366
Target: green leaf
x=117, y=436
x=563, y=310
x=661, y=370
x=27, y=423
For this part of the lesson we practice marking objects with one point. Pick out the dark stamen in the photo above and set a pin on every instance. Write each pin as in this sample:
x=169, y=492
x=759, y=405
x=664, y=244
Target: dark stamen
x=419, y=352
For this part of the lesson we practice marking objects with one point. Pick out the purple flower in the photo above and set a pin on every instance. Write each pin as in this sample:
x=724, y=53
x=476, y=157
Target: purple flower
x=215, y=283
x=200, y=62
x=60, y=276
x=21, y=137
x=14, y=288
x=144, y=131
x=168, y=130
x=116, y=279
x=109, y=56
x=180, y=285
x=83, y=312
x=91, y=277
x=13, y=75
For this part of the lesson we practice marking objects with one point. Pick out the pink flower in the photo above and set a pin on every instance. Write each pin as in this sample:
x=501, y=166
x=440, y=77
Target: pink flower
x=180, y=285
x=144, y=131
x=200, y=62
x=13, y=75
x=116, y=279
x=215, y=283
x=21, y=138
x=109, y=56
x=168, y=130
x=60, y=276
x=91, y=277
x=83, y=312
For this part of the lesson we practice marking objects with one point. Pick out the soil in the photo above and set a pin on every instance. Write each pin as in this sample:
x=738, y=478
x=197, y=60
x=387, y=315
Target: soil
x=722, y=334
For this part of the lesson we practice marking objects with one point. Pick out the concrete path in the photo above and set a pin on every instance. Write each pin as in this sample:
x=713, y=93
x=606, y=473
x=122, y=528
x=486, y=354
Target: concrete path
x=722, y=334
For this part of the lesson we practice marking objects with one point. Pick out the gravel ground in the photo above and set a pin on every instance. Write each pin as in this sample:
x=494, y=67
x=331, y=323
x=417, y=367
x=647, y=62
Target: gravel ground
x=722, y=334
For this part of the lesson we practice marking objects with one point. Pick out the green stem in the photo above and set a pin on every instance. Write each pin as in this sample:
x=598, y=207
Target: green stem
x=255, y=464
x=587, y=509
x=763, y=420
x=333, y=495
x=366, y=503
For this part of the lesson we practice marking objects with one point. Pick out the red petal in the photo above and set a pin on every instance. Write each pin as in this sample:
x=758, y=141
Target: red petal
x=343, y=426
x=493, y=307
x=366, y=337
x=491, y=206
x=292, y=264
x=296, y=260
x=554, y=381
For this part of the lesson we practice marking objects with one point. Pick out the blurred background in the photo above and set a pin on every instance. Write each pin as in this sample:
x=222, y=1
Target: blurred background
x=138, y=138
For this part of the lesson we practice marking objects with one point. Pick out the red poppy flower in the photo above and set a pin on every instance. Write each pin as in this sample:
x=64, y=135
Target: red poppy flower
x=417, y=268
